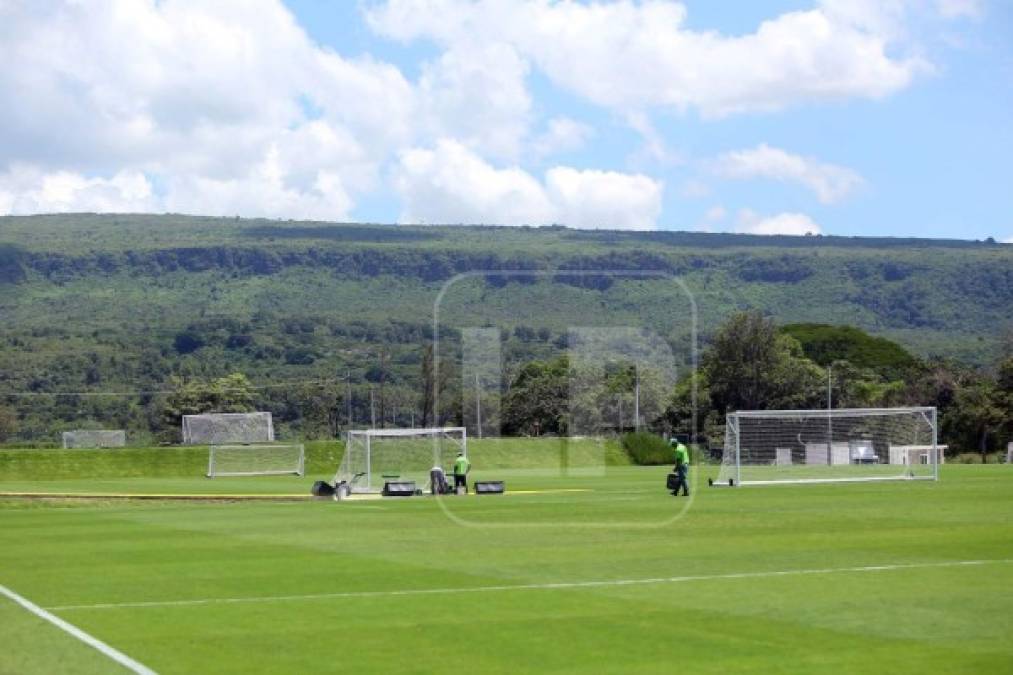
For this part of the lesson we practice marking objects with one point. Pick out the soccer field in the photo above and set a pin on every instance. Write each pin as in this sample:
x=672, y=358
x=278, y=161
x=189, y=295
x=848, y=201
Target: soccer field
x=603, y=573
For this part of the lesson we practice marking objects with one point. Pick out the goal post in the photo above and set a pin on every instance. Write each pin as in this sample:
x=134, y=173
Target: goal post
x=375, y=455
x=767, y=447
x=260, y=459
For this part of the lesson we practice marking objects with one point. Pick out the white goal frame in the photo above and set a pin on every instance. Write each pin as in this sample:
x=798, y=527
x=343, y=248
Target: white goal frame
x=295, y=464
x=827, y=450
x=225, y=428
x=94, y=438
x=361, y=482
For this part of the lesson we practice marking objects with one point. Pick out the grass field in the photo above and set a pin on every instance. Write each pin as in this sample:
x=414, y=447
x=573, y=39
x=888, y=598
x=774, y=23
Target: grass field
x=619, y=577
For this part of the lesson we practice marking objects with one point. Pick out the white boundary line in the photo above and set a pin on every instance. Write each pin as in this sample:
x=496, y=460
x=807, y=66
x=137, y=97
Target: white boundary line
x=563, y=585
x=114, y=654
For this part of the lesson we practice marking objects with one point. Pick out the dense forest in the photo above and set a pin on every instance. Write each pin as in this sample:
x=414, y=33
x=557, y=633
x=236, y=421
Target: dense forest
x=119, y=320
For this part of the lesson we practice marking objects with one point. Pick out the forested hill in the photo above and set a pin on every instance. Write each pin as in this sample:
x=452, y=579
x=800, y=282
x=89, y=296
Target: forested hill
x=71, y=272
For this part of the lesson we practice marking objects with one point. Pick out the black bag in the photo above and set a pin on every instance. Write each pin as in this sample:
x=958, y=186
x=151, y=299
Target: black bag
x=672, y=482
x=322, y=489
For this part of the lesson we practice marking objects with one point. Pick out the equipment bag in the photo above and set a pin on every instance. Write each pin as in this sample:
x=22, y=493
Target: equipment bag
x=672, y=481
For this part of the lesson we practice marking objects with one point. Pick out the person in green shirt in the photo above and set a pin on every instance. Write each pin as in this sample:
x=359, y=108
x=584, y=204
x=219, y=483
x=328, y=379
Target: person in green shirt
x=461, y=468
x=681, y=467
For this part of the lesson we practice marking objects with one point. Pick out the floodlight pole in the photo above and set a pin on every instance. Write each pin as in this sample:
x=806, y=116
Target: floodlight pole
x=372, y=409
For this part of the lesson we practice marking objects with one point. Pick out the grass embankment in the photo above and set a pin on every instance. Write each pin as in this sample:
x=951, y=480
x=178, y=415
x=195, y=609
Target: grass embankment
x=181, y=470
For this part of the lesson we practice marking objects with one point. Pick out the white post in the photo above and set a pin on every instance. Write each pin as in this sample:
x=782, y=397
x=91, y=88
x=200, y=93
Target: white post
x=738, y=453
x=830, y=418
x=369, y=465
x=372, y=409
x=935, y=447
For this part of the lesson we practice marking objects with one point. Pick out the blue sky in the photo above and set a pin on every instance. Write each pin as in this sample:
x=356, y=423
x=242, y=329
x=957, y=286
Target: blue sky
x=847, y=117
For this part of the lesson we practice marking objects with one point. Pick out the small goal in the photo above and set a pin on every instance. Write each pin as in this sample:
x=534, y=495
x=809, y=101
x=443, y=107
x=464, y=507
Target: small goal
x=95, y=438
x=257, y=460
x=767, y=447
x=373, y=456
x=223, y=428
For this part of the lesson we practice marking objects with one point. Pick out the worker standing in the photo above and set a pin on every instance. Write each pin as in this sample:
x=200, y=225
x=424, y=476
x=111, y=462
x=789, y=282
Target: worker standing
x=461, y=468
x=681, y=467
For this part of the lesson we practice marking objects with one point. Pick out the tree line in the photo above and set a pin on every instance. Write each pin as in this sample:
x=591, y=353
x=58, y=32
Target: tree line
x=749, y=363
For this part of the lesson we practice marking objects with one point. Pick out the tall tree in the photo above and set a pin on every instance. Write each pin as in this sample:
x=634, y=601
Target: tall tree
x=751, y=365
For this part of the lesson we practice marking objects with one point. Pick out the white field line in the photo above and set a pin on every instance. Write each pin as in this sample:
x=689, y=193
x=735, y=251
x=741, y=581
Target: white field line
x=114, y=654
x=562, y=585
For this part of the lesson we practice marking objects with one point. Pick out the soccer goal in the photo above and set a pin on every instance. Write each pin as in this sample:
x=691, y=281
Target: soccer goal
x=375, y=455
x=223, y=428
x=766, y=447
x=95, y=438
x=256, y=460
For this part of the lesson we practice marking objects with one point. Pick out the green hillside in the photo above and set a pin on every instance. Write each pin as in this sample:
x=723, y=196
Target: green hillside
x=108, y=302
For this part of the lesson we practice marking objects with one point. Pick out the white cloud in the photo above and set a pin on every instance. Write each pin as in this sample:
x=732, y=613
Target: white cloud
x=749, y=222
x=562, y=135
x=228, y=107
x=829, y=182
x=451, y=184
x=960, y=9
x=26, y=189
x=632, y=56
x=478, y=95
x=604, y=199
x=1008, y=240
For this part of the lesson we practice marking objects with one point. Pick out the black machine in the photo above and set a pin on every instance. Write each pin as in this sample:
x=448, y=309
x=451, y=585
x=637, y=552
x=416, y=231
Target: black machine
x=322, y=489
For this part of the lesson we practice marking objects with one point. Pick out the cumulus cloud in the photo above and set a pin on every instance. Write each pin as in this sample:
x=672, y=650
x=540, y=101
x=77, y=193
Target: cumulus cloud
x=478, y=95
x=829, y=182
x=227, y=106
x=25, y=189
x=631, y=56
x=451, y=184
x=749, y=222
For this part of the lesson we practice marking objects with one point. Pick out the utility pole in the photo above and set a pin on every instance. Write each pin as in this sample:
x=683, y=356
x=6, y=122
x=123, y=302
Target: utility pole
x=478, y=406
x=636, y=397
x=619, y=399
x=372, y=409
x=348, y=396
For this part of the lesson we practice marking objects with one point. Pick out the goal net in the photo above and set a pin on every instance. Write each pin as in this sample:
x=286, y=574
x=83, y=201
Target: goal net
x=94, y=438
x=256, y=460
x=221, y=428
x=375, y=455
x=820, y=446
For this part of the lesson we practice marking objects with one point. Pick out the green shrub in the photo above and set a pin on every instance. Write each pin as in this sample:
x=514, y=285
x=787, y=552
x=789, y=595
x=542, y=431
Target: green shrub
x=647, y=449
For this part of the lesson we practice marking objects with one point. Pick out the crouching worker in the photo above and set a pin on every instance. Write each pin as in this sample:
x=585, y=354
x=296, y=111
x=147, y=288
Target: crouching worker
x=681, y=467
x=461, y=468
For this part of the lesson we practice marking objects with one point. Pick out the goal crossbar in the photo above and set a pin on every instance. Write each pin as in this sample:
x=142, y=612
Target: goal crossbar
x=846, y=445
x=375, y=455
x=256, y=460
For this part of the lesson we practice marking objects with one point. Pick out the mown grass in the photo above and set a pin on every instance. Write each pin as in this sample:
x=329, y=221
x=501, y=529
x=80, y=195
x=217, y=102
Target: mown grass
x=624, y=527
